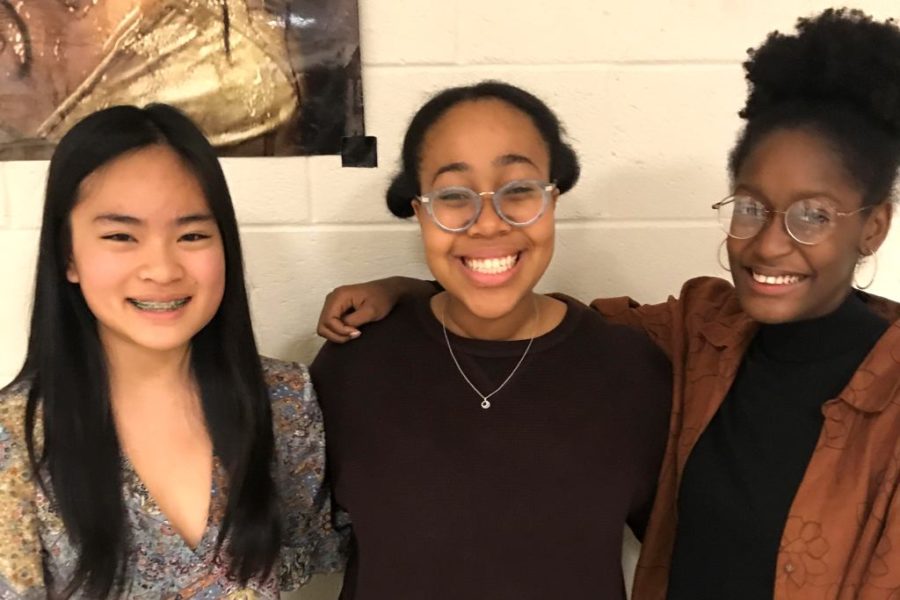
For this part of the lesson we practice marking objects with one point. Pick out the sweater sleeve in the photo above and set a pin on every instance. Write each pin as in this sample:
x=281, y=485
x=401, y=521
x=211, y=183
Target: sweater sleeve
x=650, y=412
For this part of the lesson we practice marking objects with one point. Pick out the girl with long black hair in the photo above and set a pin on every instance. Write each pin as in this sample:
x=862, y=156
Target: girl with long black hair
x=146, y=450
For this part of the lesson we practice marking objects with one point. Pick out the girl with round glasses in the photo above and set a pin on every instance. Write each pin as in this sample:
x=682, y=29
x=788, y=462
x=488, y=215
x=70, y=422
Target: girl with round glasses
x=466, y=431
x=146, y=450
x=782, y=471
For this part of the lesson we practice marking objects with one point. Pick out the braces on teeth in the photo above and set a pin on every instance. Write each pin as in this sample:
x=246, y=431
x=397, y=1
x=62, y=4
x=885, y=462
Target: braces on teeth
x=160, y=306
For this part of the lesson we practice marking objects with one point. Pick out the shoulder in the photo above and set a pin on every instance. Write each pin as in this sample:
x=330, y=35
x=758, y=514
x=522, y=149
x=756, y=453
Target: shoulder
x=621, y=356
x=610, y=335
x=296, y=418
x=639, y=364
x=284, y=377
x=708, y=297
x=291, y=394
x=883, y=307
x=13, y=402
x=704, y=294
x=379, y=341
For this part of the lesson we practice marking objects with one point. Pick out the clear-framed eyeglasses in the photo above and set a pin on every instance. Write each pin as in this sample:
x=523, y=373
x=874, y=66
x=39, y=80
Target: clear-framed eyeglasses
x=520, y=203
x=808, y=221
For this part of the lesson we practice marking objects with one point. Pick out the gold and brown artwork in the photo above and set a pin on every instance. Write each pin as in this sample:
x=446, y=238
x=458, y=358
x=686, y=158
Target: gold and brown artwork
x=260, y=77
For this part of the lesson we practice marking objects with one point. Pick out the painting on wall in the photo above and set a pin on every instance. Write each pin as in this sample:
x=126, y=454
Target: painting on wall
x=260, y=77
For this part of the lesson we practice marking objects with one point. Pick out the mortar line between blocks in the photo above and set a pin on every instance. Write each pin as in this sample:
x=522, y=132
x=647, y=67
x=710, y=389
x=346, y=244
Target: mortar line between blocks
x=377, y=227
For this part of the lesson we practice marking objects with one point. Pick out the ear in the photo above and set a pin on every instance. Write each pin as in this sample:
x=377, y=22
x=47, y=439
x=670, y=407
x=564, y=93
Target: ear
x=417, y=208
x=72, y=272
x=876, y=228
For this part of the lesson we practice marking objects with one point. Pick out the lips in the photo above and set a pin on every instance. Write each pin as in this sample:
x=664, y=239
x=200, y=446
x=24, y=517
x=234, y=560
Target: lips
x=159, y=305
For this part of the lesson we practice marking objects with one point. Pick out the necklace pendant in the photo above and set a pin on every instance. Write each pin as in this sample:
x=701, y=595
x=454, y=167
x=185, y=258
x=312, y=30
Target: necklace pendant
x=485, y=404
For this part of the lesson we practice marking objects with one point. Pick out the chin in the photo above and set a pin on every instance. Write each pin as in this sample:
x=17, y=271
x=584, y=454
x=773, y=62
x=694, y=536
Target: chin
x=160, y=342
x=770, y=313
x=489, y=308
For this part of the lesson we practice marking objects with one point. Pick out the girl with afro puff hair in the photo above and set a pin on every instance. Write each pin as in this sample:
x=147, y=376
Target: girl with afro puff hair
x=782, y=470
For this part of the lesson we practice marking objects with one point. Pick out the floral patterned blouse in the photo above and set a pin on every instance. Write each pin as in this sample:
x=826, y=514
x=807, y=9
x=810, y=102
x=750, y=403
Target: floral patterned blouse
x=161, y=565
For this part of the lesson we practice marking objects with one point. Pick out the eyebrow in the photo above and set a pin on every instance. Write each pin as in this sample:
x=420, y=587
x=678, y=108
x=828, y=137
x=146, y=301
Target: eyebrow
x=134, y=221
x=117, y=218
x=500, y=161
x=195, y=218
x=456, y=167
x=512, y=159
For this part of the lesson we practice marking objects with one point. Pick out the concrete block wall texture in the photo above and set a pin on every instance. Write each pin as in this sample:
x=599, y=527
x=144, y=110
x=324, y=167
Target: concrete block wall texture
x=649, y=92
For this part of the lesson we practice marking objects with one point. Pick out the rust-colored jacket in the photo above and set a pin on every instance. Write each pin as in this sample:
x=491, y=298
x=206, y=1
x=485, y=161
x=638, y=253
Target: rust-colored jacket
x=842, y=537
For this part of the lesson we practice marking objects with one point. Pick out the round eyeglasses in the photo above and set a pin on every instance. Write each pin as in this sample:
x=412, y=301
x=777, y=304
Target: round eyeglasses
x=519, y=203
x=808, y=221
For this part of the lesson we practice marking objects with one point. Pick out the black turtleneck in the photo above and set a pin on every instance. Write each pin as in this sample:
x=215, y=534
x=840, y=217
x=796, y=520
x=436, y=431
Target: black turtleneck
x=741, y=478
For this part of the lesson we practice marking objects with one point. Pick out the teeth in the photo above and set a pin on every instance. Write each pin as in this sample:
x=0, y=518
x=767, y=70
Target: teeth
x=492, y=266
x=776, y=279
x=159, y=306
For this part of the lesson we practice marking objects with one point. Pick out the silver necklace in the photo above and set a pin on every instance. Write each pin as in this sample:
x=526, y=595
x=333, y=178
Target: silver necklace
x=485, y=398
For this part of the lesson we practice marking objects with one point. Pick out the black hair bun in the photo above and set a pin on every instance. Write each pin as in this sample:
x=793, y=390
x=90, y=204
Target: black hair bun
x=841, y=58
x=400, y=196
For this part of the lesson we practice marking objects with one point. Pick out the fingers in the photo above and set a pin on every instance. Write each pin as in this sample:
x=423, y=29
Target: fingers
x=335, y=330
x=348, y=307
x=362, y=315
x=331, y=325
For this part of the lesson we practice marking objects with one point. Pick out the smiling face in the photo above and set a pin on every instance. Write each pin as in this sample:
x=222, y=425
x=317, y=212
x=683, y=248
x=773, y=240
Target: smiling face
x=492, y=267
x=776, y=278
x=146, y=252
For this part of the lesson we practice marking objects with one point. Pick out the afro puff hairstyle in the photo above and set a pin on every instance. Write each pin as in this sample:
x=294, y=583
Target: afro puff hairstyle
x=838, y=76
x=564, y=168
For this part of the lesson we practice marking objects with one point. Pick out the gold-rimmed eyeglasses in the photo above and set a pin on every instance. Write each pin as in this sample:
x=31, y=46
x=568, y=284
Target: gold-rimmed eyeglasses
x=808, y=221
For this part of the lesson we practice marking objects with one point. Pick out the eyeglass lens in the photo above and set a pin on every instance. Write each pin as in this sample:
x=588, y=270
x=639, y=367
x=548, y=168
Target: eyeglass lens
x=518, y=202
x=808, y=221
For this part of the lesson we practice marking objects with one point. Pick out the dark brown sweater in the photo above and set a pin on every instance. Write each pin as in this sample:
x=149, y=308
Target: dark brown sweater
x=525, y=500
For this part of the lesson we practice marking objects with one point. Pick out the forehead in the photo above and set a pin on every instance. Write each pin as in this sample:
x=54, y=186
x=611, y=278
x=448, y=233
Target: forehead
x=149, y=182
x=792, y=162
x=478, y=131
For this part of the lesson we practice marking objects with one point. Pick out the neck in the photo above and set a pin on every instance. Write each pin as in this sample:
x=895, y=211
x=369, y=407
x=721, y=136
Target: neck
x=520, y=323
x=137, y=375
x=846, y=328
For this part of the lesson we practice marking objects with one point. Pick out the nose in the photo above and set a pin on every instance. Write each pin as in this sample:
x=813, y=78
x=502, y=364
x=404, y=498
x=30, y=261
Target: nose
x=488, y=222
x=773, y=240
x=161, y=264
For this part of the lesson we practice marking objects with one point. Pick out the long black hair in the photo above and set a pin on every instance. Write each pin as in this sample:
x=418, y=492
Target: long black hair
x=77, y=460
x=564, y=167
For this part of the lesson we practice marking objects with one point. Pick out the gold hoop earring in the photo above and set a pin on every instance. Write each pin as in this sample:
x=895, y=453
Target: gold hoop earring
x=723, y=263
x=859, y=264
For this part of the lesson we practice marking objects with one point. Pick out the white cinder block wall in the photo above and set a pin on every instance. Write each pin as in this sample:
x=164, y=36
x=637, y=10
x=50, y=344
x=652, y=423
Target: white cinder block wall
x=649, y=92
